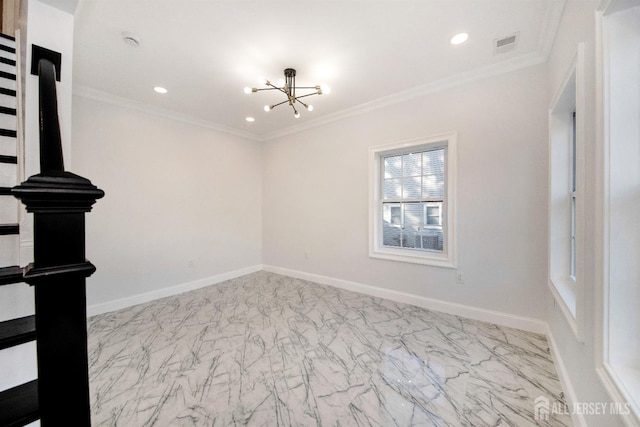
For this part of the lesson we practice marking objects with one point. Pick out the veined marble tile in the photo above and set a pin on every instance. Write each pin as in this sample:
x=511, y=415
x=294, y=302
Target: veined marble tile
x=270, y=350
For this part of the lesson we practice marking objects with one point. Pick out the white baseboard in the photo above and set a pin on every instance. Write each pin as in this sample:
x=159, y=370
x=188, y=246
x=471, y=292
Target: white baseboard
x=503, y=319
x=499, y=318
x=569, y=392
x=121, y=303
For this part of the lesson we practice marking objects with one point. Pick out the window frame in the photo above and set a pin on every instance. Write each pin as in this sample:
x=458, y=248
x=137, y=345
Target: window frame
x=566, y=189
x=445, y=258
x=621, y=382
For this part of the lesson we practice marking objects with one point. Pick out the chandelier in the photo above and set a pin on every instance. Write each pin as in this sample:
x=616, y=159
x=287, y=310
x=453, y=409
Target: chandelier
x=289, y=88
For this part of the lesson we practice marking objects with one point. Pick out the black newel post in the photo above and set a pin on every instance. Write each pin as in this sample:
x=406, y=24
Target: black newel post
x=59, y=201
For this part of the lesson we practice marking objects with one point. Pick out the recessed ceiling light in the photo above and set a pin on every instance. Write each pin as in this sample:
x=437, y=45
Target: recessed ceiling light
x=160, y=89
x=459, y=38
x=250, y=119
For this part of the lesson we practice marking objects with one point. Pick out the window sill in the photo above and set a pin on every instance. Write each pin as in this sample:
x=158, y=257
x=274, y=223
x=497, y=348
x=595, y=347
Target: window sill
x=414, y=257
x=564, y=293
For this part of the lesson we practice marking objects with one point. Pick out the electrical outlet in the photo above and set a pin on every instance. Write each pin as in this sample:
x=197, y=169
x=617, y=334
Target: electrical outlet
x=459, y=277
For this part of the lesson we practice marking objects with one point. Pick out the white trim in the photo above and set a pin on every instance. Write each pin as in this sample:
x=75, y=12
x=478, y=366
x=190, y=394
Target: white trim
x=608, y=375
x=550, y=25
x=447, y=258
x=610, y=381
x=570, y=395
x=499, y=318
x=125, y=302
x=548, y=31
x=561, y=300
x=98, y=95
x=491, y=316
x=570, y=296
x=601, y=161
x=514, y=64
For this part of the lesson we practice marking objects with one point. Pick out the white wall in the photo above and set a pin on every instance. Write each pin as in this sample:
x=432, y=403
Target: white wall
x=50, y=28
x=183, y=203
x=578, y=25
x=315, y=190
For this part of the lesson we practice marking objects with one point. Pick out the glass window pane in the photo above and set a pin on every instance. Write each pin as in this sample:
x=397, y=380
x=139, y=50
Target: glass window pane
x=411, y=187
x=433, y=169
x=410, y=221
x=413, y=214
x=433, y=215
x=433, y=186
x=391, y=225
x=412, y=164
x=412, y=224
x=391, y=236
x=393, y=188
x=433, y=162
x=393, y=167
x=392, y=214
x=432, y=239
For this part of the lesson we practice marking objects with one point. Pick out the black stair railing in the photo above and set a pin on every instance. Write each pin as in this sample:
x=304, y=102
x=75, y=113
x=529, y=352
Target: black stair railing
x=59, y=201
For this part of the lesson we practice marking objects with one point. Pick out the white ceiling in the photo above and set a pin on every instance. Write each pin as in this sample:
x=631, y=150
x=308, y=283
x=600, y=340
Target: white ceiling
x=370, y=52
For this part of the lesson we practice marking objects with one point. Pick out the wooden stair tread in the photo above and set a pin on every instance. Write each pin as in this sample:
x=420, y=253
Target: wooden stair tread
x=17, y=331
x=7, y=36
x=19, y=405
x=8, y=159
x=8, y=76
x=9, y=275
x=8, y=110
x=7, y=48
x=7, y=229
x=8, y=61
x=5, y=91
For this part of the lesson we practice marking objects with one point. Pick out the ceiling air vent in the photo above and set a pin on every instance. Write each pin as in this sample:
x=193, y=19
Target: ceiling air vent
x=506, y=44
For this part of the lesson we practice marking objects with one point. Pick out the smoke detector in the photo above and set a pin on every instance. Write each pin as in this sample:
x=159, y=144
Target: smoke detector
x=131, y=39
x=506, y=44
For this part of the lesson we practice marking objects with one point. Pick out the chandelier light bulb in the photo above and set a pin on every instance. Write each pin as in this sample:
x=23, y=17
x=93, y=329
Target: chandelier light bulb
x=291, y=91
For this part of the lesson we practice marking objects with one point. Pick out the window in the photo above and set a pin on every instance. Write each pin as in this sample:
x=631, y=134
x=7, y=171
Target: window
x=619, y=80
x=566, y=206
x=572, y=196
x=412, y=201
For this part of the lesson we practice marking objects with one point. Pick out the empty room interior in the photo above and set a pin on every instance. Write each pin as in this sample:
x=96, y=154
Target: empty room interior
x=337, y=213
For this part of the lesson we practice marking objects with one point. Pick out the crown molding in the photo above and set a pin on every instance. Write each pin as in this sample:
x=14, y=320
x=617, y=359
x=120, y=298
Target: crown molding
x=548, y=31
x=98, y=95
x=517, y=63
x=550, y=26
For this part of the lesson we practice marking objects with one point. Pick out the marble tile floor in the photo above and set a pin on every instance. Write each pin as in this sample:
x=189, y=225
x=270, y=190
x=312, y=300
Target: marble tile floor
x=270, y=350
